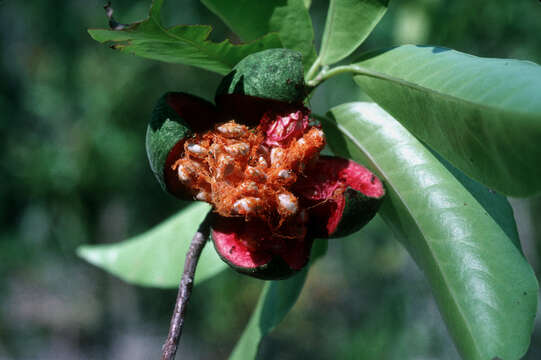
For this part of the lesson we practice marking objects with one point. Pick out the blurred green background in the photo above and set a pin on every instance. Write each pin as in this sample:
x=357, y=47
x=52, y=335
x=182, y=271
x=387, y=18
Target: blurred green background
x=74, y=171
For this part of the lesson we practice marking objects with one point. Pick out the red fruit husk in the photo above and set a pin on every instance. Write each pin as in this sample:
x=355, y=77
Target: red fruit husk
x=280, y=129
x=341, y=196
x=201, y=115
x=252, y=248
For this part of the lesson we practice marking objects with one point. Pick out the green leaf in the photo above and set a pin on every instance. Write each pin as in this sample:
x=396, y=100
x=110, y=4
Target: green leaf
x=483, y=115
x=183, y=44
x=248, y=19
x=349, y=22
x=156, y=257
x=253, y=19
x=277, y=298
x=463, y=238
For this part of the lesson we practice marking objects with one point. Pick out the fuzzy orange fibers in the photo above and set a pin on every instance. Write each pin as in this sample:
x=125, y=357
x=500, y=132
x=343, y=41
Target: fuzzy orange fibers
x=248, y=172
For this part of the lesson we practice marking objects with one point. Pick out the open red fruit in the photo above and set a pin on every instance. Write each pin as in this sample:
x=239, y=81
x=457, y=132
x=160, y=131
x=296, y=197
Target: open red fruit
x=255, y=159
x=271, y=192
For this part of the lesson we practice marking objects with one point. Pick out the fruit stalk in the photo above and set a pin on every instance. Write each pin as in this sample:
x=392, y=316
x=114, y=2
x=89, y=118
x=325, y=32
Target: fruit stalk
x=169, y=348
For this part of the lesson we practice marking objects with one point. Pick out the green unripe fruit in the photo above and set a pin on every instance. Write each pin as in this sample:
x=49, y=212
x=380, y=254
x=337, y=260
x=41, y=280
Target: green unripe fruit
x=276, y=74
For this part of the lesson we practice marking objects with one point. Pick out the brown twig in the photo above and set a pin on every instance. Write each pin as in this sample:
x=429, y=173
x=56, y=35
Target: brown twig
x=170, y=346
x=113, y=24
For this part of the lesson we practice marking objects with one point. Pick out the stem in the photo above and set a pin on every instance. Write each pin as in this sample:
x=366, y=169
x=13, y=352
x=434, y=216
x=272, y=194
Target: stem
x=356, y=69
x=313, y=69
x=199, y=240
x=113, y=24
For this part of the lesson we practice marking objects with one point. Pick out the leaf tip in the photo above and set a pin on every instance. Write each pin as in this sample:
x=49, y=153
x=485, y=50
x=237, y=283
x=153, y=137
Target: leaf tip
x=91, y=254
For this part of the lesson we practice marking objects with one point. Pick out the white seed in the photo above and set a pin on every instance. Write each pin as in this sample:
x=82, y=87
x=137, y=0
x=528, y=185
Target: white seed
x=226, y=159
x=318, y=134
x=215, y=150
x=227, y=166
x=238, y=149
x=183, y=173
x=231, y=130
x=249, y=186
x=255, y=173
x=242, y=205
x=276, y=156
x=262, y=162
x=203, y=196
x=246, y=205
x=196, y=149
x=284, y=174
x=287, y=202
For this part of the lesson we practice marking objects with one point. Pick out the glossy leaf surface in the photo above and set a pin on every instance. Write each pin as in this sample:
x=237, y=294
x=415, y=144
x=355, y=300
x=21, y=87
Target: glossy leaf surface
x=349, y=22
x=483, y=115
x=183, y=44
x=290, y=19
x=463, y=238
x=156, y=257
x=275, y=302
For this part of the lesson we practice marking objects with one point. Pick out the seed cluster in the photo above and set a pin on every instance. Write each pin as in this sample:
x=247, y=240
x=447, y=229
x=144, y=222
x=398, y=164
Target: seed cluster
x=242, y=173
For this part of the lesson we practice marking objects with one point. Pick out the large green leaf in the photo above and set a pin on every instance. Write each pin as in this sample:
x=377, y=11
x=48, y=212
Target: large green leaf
x=483, y=115
x=183, y=44
x=463, y=238
x=253, y=19
x=156, y=257
x=277, y=298
x=348, y=24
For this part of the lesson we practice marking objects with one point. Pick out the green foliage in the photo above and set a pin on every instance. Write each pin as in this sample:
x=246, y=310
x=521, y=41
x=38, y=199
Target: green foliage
x=486, y=291
x=248, y=19
x=184, y=44
x=480, y=115
x=253, y=19
x=349, y=22
x=483, y=115
x=74, y=171
x=156, y=257
x=277, y=298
